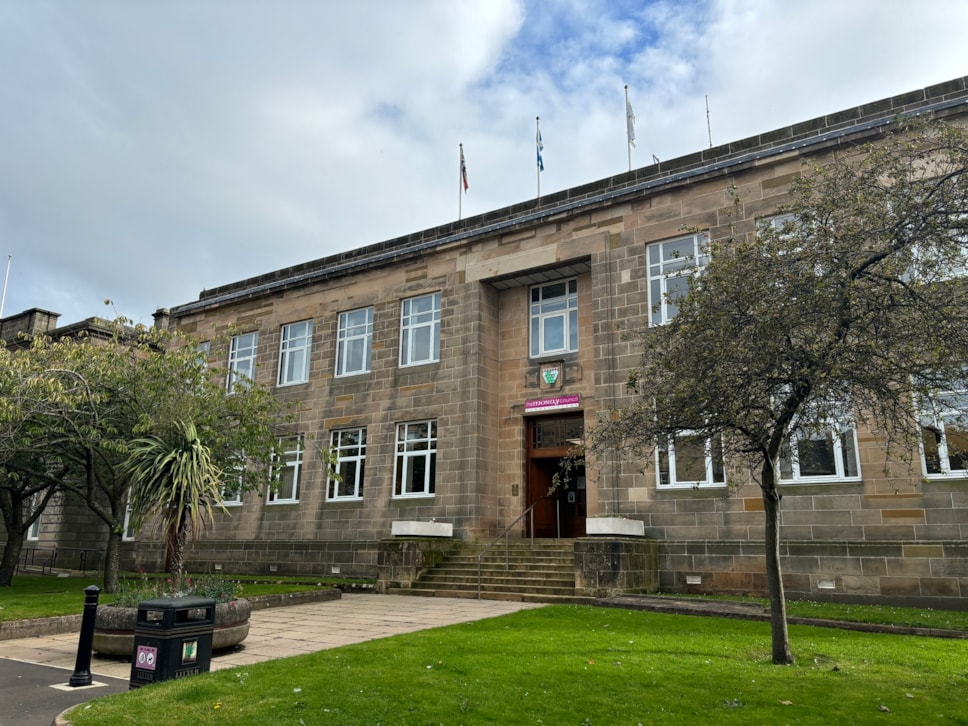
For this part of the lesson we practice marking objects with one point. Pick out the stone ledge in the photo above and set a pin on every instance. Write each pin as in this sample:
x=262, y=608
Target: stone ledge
x=413, y=528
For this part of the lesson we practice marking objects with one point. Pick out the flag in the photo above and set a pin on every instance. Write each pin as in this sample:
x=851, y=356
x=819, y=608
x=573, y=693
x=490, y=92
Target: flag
x=629, y=119
x=463, y=169
x=537, y=141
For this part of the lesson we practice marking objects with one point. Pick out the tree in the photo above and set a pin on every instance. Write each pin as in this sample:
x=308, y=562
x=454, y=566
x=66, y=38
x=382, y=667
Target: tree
x=174, y=473
x=850, y=307
x=135, y=381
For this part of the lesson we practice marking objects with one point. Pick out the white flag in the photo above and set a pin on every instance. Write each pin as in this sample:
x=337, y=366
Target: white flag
x=630, y=120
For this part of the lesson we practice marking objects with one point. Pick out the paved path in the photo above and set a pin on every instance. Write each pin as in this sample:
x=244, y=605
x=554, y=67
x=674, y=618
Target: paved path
x=31, y=697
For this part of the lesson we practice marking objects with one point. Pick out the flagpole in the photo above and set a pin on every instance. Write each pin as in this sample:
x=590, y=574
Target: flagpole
x=460, y=183
x=538, y=146
x=6, y=276
x=629, y=121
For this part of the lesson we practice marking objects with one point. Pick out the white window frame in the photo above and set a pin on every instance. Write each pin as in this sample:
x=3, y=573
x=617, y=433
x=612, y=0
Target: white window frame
x=204, y=350
x=414, y=325
x=835, y=434
x=33, y=531
x=128, y=534
x=243, y=351
x=936, y=417
x=413, y=445
x=552, y=309
x=295, y=346
x=287, y=490
x=235, y=471
x=352, y=333
x=666, y=464
x=351, y=465
x=667, y=265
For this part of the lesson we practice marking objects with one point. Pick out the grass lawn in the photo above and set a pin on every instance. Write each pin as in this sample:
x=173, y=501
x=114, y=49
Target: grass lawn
x=34, y=596
x=575, y=665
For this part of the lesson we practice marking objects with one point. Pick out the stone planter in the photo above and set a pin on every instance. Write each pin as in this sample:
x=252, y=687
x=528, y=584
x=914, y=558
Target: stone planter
x=114, y=627
x=406, y=528
x=615, y=527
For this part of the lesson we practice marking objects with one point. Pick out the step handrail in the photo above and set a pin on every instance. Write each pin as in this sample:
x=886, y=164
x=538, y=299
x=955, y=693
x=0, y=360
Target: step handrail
x=507, y=546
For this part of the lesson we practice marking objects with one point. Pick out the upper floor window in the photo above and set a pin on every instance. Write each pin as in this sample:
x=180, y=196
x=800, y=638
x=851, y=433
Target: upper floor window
x=289, y=468
x=416, y=459
x=420, y=330
x=242, y=354
x=687, y=460
x=350, y=447
x=944, y=434
x=554, y=318
x=825, y=455
x=294, y=347
x=671, y=264
x=354, y=341
x=204, y=350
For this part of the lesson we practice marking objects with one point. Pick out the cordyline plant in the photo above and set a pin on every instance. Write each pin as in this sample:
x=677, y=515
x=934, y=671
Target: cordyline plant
x=853, y=307
x=173, y=473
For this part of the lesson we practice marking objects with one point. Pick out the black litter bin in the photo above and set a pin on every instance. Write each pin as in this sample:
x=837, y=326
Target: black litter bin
x=172, y=639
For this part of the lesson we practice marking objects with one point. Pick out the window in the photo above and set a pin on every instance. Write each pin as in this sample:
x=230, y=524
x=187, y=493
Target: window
x=416, y=459
x=350, y=447
x=420, y=330
x=128, y=533
x=233, y=482
x=671, y=264
x=294, y=347
x=242, y=359
x=688, y=460
x=289, y=468
x=33, y=532
x=353, y=342
x=204, y=350
x=944, y=434
x=822, y=456
x=554, y=318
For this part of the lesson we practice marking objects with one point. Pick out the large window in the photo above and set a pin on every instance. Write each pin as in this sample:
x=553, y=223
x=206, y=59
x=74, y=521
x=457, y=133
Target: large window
x=826, y=455
x=416, y=459
x=420, y=330
x=350, y=447
x=944, y=434
x=554, y=318
x=671, y=264
x=354, y=341
x=691, y=461
x=242, y=353
x=288, y=467
x=294, y=347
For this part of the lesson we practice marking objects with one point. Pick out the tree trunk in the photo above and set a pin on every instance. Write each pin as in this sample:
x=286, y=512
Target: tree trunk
x=178, y=537
x=112, y=561
x=11, y=554
x=774, y=578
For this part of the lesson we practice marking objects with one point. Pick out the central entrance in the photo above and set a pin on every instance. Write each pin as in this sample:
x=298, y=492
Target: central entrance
x=549, y=440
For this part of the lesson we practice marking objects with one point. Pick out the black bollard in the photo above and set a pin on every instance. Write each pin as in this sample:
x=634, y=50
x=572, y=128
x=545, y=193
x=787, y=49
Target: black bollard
x=82, y=666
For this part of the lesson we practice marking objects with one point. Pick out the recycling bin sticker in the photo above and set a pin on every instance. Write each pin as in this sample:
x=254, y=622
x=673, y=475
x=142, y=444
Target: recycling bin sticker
x=147, y=657
x=189, y=651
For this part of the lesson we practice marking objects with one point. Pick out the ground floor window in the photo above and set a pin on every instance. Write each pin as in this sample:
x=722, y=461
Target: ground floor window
x=416, y=459
x=288, y=468
x=944, y=434
x=350, y=446
x=823, y=456
x=688, y=460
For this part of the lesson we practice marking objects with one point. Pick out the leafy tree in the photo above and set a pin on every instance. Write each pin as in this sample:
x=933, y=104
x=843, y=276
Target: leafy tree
x=851, y=308
x=174, y=473
x=136, y=381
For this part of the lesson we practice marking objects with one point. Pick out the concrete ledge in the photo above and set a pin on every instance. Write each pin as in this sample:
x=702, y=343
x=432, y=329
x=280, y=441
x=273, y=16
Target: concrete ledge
x=408, y=528
x=615, y=527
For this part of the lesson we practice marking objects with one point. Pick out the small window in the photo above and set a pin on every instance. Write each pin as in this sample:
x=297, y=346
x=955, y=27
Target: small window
x=354, y=342
x=826, y=455
x=294, y=348
x=420, y=330
x=554, y=318
x=242, y=354
x=289, y=468
x=671, y=265
x=687, y=460
x=350, y=446
x=33, y=532
x=944, y=434
x=416, y=459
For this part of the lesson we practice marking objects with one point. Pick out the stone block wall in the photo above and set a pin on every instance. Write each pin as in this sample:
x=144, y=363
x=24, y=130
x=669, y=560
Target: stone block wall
x=610, y=565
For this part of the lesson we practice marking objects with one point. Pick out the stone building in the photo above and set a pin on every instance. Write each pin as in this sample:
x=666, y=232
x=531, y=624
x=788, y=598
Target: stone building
x=453, y=368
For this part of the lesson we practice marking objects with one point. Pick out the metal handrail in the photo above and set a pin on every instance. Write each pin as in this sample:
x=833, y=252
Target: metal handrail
x=507, y=545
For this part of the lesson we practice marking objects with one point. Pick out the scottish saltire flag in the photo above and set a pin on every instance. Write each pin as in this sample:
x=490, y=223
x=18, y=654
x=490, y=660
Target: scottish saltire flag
x=463, y=169
x=629, y=119
x=537, y=141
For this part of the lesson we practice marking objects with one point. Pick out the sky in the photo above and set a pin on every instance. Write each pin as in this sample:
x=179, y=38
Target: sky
x=150, y=149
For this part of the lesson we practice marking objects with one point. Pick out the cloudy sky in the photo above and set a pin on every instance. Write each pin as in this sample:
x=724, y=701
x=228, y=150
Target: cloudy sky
x=150, y=149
